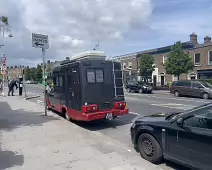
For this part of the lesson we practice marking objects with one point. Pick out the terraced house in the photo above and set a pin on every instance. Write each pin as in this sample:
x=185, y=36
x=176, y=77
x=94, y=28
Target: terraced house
x=200, y=53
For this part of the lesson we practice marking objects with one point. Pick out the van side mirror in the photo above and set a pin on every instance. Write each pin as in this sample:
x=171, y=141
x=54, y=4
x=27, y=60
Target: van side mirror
x=180, y=122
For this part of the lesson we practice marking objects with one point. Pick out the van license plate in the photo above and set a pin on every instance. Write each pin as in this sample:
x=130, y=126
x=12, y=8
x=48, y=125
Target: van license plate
x=109, y=116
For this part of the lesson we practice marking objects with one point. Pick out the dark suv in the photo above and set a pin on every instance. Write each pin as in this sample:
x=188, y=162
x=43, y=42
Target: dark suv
x=192, y=88
x=141, y=87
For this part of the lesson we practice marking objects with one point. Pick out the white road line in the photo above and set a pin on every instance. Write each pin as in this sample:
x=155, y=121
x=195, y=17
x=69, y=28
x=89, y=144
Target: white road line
x=175, y=106
x=197, y=101
x=134, y=113
x=39, y=101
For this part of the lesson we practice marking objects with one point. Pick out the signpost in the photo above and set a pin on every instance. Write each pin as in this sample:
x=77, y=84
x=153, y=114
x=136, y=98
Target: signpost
x=41, y=41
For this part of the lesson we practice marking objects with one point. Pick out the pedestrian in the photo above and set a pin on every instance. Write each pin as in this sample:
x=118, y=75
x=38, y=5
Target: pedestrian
x=11, y=85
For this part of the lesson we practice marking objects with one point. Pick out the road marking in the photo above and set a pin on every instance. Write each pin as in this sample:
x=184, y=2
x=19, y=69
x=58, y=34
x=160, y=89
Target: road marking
x=39, y=101
x=182, y=99
x=175, y=106
x=134, y=113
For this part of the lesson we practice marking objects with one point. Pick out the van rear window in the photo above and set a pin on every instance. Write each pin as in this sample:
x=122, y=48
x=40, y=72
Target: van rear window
x=95, y=75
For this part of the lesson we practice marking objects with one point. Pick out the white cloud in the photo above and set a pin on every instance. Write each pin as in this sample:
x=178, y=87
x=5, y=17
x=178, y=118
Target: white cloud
x=72, y=26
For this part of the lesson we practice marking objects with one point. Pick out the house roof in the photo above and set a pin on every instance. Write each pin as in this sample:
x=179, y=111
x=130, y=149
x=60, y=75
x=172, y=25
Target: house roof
x=188, y=45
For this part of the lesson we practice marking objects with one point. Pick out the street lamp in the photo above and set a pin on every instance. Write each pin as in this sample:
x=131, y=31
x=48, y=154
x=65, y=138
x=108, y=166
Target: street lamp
x=4, y=29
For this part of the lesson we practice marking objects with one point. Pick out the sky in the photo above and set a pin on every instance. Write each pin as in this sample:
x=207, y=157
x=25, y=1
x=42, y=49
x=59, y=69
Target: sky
x=120, y=26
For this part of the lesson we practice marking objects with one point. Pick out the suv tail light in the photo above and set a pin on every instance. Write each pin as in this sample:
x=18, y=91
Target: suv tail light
x=119, y=105
x=89, y=108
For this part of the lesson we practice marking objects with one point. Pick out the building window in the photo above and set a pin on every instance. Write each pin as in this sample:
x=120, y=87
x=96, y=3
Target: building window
x=130, y=65
x=197, y=59
x=124, y=66
x=164, y=59
x=210, y=57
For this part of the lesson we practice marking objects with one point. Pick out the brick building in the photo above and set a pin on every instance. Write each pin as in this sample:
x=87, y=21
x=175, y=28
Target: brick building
x=201, y=55
x=14, y=73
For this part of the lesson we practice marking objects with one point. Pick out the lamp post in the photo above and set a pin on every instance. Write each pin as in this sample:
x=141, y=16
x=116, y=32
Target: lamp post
x=4, y=29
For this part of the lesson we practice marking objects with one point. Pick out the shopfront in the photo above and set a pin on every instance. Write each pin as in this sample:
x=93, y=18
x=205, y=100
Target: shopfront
x=204, y=74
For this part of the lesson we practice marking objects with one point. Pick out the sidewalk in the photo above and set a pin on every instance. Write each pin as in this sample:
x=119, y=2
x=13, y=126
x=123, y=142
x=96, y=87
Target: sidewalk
x=31, y=141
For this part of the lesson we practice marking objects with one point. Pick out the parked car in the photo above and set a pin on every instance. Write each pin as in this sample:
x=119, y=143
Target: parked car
x=141, y=87
x=182, y=137
x=194, y=88
x=28, y=82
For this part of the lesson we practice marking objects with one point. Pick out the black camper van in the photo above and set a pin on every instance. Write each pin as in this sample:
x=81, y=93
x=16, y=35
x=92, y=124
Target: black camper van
x=87, y=88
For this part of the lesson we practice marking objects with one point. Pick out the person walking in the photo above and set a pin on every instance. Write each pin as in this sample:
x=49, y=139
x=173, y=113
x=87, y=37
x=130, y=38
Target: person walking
x=11, y=87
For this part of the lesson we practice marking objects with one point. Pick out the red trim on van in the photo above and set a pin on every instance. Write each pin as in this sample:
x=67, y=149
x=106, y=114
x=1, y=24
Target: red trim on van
x=89, y=114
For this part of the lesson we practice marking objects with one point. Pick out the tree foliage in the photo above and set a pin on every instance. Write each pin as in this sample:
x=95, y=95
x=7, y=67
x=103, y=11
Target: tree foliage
x=27, y=73
x=146, y=66
x=178, y=62
x=34, y=74
x=4, y=19
x=48, y=68
x=38, y=73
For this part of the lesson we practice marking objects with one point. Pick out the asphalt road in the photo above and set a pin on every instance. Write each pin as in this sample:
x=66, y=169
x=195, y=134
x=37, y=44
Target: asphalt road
x=138, y=104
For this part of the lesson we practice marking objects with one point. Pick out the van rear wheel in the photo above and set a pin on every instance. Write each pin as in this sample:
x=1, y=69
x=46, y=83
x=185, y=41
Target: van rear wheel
x=205, y=96
x=177, y=93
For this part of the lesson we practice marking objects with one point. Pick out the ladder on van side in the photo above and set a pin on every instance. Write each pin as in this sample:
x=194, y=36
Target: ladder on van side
x=118, y=79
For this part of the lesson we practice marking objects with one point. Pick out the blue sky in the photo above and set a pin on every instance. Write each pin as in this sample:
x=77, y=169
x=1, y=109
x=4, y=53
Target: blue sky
x=170, y=21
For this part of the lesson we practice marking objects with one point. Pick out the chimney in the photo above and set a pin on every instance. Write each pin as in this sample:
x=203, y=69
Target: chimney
x=207, y=40
x=193, y=38
x=67, y=58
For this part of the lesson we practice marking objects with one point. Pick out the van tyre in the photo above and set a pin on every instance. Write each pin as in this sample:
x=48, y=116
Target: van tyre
x=177, y=93
x=149, y=148
x=205, y=96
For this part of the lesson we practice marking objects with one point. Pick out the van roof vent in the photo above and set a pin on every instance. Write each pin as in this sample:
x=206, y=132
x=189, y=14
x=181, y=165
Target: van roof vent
x=89, y=55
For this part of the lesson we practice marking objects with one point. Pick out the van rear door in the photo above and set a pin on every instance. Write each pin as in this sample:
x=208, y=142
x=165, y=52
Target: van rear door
x=97, y=83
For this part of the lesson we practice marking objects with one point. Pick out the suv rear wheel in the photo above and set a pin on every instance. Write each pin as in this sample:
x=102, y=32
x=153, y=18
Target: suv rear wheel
x=205, y=96
x=177, y=93
x=149, y=148
x=140, y=90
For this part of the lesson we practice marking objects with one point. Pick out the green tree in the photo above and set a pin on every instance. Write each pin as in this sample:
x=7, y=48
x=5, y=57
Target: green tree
x=4, y=19
x=178, y=62
x=146, y=66
x=27, y=73
x=33, y=74
x=48, y=68
x=38, y=73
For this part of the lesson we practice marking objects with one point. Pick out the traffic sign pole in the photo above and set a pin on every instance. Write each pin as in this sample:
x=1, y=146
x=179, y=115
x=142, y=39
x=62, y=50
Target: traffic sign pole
x=41, y=41
x=44, y=71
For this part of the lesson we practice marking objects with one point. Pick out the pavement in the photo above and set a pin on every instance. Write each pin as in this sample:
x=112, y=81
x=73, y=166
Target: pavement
x=30, y=140
x=138, y=104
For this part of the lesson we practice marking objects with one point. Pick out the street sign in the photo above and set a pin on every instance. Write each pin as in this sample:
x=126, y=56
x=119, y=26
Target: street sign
x=40, y=41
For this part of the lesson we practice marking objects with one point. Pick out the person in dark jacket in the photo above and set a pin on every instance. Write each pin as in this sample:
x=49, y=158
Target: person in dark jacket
x=11, y=87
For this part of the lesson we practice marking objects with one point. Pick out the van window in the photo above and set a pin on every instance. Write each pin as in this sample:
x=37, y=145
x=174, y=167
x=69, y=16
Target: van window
x=196, y=84
x=99, y=76
x=95, y=75
x=90, y=75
